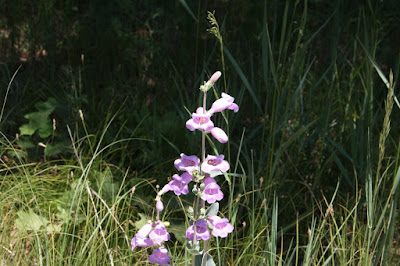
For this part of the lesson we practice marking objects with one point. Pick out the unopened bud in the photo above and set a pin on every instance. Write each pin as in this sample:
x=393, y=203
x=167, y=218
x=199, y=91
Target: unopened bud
x=159, y=206
x=215, y=77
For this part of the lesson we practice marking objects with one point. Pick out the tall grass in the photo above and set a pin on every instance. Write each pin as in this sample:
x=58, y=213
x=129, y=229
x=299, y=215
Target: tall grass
x=314, y=153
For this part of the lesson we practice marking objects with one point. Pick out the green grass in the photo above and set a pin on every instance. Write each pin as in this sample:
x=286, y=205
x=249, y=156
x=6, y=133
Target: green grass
x=314, y=149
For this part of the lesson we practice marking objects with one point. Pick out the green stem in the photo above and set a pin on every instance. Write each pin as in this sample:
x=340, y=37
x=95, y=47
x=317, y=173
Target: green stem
x=203, y=158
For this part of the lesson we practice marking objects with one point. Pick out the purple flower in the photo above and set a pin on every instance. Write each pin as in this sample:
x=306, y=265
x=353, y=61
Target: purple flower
x=160, y=256
x=179, y=184
x=200, y=110
x=200, y=121
x=187, y=163
x=145, y=230
x=212, y=191
x=215, y=163
x=140, y=239
x=219, y=134
x=159, y=205
x=141, y=242
x=201, y=231
x=222, y=227
x=165, y=189
x=159, y=234
x=225, y=102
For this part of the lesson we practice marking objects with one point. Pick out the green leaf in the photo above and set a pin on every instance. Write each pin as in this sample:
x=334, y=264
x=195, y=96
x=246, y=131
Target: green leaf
x=17, y=153
x=208, y=258
x=62, y=214
x=193, y=250
x=179, y=231
x=26, y=144
x=107, y=186
x=29, y=221
x=143, y=220
x=27, y=130
x=54, y=149
x=48, y=106
x=40, y=121
x=53, y=228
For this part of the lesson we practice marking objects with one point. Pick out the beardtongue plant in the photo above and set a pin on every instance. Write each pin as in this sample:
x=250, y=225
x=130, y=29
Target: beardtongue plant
x=204, y=221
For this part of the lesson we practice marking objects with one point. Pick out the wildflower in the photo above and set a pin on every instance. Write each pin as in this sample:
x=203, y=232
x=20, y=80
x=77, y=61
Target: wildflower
x=145, y=230
x=222, y=227
x=160, y=256
x=179, y=184
x=208, y=85
x=212, y=191
x=187, y=163
x=201, y=231
x=159, y=234
x=200, y=121
x=159, y=205
x=219, y=134
x=225, y=102
x=215, y=77
x=141, y=240
x=215, y=163
x=165, y=189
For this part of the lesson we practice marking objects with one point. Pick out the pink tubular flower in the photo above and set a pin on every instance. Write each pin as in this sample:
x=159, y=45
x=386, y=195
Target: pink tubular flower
x=225, y=102
x=187, y=163
x=212, y=191
x=165, y=189
x=159, y=234
x=201, y=231
x=159, y=205
x=200, y=121
x=141, y=242
x=219, y=134
x=200, y=111
x=140, y=239
x=222, y=227
x=215, y=77
x=160, y=256
x=179, y=184
x=145, y=230
x=215, y=163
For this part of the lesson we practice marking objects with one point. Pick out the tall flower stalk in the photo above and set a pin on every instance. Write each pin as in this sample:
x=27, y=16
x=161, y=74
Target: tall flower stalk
x=204, y=220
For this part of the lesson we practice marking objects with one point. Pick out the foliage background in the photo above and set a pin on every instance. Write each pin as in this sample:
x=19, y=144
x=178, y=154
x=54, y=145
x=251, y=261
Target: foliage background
x=311, y=102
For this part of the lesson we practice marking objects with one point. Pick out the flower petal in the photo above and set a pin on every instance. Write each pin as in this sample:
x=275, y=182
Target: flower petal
x=219, y=134
x=160, y=256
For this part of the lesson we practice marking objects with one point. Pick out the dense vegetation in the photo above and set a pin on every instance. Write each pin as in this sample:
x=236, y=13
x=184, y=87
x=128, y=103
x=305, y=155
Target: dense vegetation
x=94, y=102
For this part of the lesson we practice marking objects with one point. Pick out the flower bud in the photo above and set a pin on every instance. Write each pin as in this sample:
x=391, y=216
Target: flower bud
x=219, y=134
x=159, y=206
x=215, y=77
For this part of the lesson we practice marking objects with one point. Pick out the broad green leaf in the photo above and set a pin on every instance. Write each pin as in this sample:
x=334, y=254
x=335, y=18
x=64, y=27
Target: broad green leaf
x=143, y=220
x=53, y=227
x=62, y=214
x=29, y=221
x=27, y=129
x=179, y=230
x=40, y=121
x=17, y=153
x=199, y=259
x=48, y=106
x=107, y=187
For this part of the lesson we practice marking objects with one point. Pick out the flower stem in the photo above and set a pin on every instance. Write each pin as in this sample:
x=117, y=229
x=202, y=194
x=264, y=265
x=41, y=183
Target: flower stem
x=203, y=158
x=197, y=200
